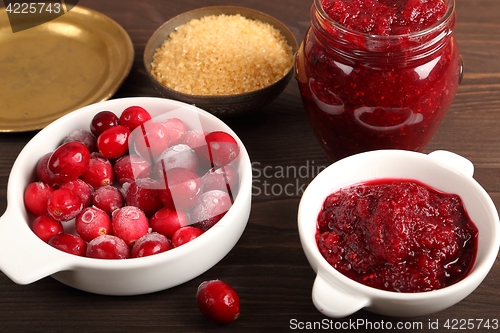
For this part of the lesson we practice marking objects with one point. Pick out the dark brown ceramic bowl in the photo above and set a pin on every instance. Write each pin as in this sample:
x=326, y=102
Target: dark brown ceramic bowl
x=220, y=105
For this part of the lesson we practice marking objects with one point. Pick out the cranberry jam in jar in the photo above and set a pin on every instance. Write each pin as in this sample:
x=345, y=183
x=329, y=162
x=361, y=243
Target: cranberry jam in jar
x=378, y=74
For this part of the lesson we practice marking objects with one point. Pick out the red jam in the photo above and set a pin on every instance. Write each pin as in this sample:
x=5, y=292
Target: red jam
x=397, y=235
x=378, y=74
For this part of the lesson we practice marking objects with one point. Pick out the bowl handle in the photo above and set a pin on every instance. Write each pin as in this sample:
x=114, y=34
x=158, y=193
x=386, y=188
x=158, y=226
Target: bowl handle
x=25, y=258
x=455, y=161
x=333, y=301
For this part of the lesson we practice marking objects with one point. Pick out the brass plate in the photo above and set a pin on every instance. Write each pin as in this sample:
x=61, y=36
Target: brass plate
x=79, y=58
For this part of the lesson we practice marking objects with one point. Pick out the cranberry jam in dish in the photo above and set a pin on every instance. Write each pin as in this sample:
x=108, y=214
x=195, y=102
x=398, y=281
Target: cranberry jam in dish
x=397, y=235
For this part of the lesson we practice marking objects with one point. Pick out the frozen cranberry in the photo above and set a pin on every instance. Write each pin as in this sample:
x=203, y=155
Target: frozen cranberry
x=131, y=167
x=150, y=244
x=43, y=173
x=211, y=207
x=69, y=161
x=185, y=235
x=149, y=140
x=64, y=205
x=129, y=223
x=83, y=136
x=218, y=301
x=113, y=142
x=108, y=198
x=196, y=140
x=224, y=179
x=80, y=188
x=102, y=121
x=92, y=222
x=176, y=129
x=36, y=196
x=100, y=171
x=144, y=194
x=222, y=148
x=108, y=247
x=69, y=243
x=133, y=117
x=167, y=221
x=182, y=190
x=178, y=156
x=46, y=227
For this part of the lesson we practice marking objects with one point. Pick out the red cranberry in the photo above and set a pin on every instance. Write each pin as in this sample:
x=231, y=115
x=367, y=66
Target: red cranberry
x=183, y=189
x=176, y=129
x=196, y=140
x=81, y=189
x=133, y=117
x=36, y=196
x=224, y=179
x=178, y=156
x=150, y=140
x=185, y=235
x=83, y=136
x=144, y=194
x=108, y=247
x=149, y=244
x=64, y=205
x=92, y=222
x=102, y=121
x=218, y=301
x=211, y=207
x=100, y=171
x=43, y=173
x=167, y=221
x=129, y=223
x=222, y=148
x=69, y=243
x=46, y=227
x=131, y=167
x=108, y=198
x=69, y=160
x=113, y=142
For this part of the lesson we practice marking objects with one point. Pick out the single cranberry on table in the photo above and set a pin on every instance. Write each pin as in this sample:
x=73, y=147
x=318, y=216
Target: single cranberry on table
x=108, y=247
x=218, y=301
x=102, y=121
x=167, y=221
x=134, y=116
x=185, y=234
x=36, y=197
x=69, y=243
x=149, y=244
x=46, y=227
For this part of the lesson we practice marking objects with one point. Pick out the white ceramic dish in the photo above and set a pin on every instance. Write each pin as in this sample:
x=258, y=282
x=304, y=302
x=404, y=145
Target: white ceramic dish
x=336, y=295
x=25, y=258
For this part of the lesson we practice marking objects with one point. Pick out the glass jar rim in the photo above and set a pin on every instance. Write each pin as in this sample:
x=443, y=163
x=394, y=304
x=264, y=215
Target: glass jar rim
x=443, y=21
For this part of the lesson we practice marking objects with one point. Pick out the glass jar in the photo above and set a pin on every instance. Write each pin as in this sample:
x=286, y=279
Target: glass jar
x=365, y=92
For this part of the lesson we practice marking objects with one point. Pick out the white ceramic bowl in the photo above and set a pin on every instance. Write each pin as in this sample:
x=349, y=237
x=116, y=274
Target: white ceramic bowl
x=336, y=295
x=25, y=258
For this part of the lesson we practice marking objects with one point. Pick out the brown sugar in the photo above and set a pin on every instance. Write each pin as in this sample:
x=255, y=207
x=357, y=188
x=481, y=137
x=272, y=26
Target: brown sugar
x=222, y=55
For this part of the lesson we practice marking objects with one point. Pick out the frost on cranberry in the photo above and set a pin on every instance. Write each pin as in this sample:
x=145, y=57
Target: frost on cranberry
x=100, y=171
x=69, y=243
x=130, y=167
x=218, y=301
x=82, y=189
x=176, y=129
x=129, y=223
x=108, y=247
x=178, y=156
x=69, y=161
x=167, y=221
x=64, y=205
x=108, y=198
x=92, y=222
x=36, y=196
x=149, y=244
x=211, y=207
x=83, y=136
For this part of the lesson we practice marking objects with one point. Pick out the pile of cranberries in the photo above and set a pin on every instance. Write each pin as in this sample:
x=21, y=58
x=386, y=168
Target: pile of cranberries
x=131, y=186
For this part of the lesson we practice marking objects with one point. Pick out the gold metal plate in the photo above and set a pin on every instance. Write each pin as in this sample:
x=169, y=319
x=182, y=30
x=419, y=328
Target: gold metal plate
x=79, y=58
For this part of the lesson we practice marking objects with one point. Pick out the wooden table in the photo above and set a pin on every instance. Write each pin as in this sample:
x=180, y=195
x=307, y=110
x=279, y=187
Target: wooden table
x=267, y=266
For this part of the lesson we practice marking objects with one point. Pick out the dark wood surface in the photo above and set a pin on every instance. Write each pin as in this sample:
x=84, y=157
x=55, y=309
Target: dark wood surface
x=267, y=266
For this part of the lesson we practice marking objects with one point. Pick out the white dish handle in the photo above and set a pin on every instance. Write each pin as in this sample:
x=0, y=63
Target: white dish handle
x=25, y=258
x=335, y=302
x=454, y=161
